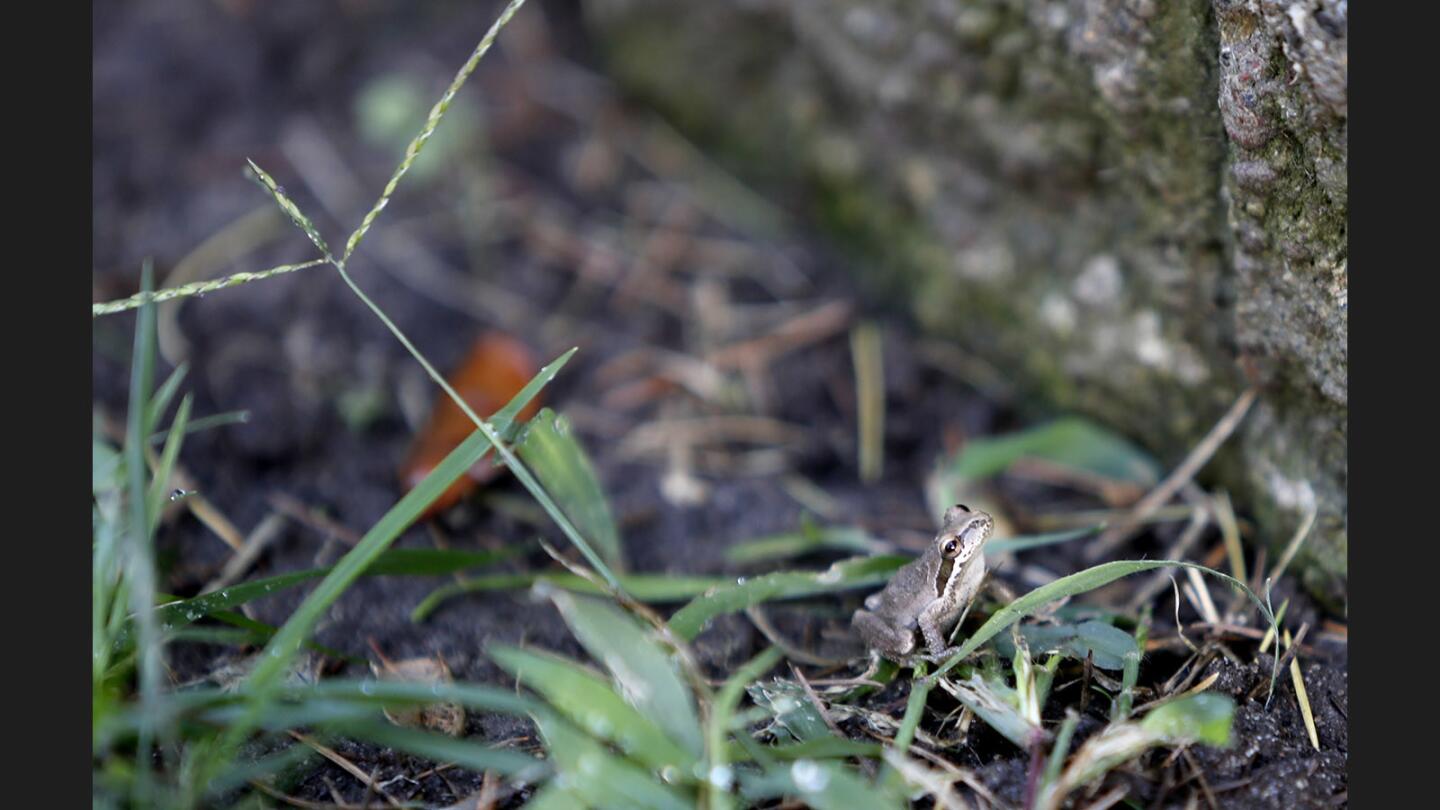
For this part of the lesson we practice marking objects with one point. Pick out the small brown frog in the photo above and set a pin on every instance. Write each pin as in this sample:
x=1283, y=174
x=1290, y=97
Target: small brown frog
x=931, y=592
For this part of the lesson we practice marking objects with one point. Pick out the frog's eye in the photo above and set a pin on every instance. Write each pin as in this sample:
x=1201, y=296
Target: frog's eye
x=952, y=547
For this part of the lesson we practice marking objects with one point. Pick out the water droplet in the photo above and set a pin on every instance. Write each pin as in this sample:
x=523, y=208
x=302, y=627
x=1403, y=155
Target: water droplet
x=721, y=776
x=181, y=493
x=367, y=688
x=740, y=580
x=600, y=725
x=809, y=777
x=562, y=426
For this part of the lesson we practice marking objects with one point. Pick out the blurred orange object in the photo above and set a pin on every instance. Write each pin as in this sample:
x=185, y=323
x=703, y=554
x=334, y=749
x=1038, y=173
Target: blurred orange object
x=492, y=373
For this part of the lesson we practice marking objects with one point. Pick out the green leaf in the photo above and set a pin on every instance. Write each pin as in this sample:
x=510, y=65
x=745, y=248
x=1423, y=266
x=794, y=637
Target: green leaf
x=792, y=708
x=1074, y=584
x=856, y=572
x=999, y=706
x=601, y=779
x=1110, y=644
x=587, y=700
x=560, y=463
x=1072, y=442
x=645, y=673
x=1201, y=718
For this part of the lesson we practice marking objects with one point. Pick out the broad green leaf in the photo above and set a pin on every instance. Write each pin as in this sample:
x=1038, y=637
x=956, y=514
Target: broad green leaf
x=552, y=452
x=644, y=671
x=1078, y=583
x=601, y=779
x=998, y=705
x=653, y=588
x=1201, y=718
x=1072, y=442
x=1110, y=644
x=588, y=701
x=792, y=709
x=856, y=572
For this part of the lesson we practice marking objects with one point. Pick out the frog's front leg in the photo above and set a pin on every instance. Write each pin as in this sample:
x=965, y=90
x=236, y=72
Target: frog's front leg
x=933, y=623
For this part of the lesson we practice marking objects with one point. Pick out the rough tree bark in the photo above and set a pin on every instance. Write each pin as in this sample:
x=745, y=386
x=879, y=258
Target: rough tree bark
x=1134, y=207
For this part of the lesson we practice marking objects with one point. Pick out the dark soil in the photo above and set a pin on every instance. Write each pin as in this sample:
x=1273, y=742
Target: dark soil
x=558, y=220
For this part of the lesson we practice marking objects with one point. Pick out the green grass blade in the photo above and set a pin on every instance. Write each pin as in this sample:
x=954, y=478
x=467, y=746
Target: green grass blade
x=855, y=572
x=821, y=785
x=650, y=588
x=160, y=486
x=166, y=392
x=431, y=122
x=290, y=208
x=563, y=468
x=393, y=562
x=803, y=541
x=439, y=748
x=601, y=779
x=720, y=776
x=1029, y=541
x=1078, y=583
x=644, y=671
x=586, y=699
x=139, y=560
x=197, y=288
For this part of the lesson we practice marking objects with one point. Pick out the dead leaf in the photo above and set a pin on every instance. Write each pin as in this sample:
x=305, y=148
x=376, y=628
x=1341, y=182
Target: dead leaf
x=495, y=369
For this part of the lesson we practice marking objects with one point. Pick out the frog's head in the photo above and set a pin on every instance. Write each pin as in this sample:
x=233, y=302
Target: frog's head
x=964, y=533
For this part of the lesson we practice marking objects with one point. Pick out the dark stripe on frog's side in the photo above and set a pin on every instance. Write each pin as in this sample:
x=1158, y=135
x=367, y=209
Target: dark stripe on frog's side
x=946, y=566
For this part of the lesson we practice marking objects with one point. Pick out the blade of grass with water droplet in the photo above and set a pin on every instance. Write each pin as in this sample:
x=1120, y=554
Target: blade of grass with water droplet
x=855, y=572
x=600, y=778
x=563, y=468
x=644, y=671
x=719, y=776
x=160, y=484
x=587, y=700
x=1074, y=584
x=822, y=785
